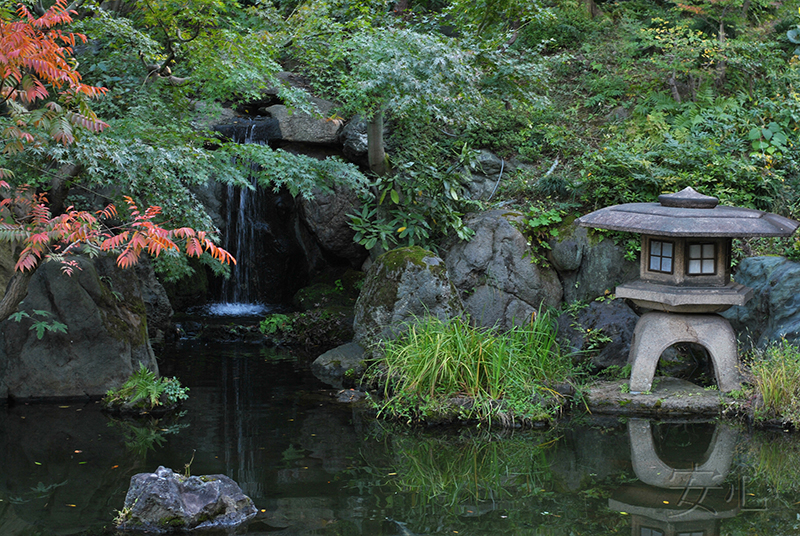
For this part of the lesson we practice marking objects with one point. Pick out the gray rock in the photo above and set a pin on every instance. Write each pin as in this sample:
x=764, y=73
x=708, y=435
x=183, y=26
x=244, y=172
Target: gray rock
x=589, y=265
x=353, y=138
x=334, y=366
x=106, y=339
x=326, y=217
x=774, y=311
x=485, y=180
x=306, y=128
x=165, y=501
x=403, y=286
x=601, y=333
x=495, y=275
x=159, y=310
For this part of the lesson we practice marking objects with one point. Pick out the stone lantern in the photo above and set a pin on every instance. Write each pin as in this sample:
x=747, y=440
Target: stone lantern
x=685, y=276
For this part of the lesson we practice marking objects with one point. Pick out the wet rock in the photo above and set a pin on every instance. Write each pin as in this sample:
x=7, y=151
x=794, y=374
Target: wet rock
x=158, y=308
x=105, y=340
x=601, y=332
x=165, y=501
x=337, y=366
x=353, y=138
x=494, y=274
x=774, y=311
x=403, y=286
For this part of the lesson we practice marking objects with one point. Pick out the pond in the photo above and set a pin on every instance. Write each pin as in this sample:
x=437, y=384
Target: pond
x=316, y=466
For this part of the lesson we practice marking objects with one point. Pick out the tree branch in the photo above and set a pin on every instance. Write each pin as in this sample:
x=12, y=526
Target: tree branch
x=16, y=290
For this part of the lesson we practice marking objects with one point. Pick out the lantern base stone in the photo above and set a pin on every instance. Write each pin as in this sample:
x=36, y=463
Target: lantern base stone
x=657, y=331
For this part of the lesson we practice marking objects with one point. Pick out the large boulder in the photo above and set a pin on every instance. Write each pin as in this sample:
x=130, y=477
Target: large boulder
x=589, y=264
x=326, y=216
x=403, y=286
x=495, y=275
x=156, y=302
x=166, y=501
x=306, y=128
x=600, y=333
x=105, y=340
x=774, y=311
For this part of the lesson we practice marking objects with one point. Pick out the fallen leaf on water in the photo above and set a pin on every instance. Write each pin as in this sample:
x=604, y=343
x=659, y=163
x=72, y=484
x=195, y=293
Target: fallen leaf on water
x=71, y=505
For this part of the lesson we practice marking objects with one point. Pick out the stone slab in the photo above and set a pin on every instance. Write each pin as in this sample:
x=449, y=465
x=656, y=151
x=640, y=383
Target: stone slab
x=667, y=397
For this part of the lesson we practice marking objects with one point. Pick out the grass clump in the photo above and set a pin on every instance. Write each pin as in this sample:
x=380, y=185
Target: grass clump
x=447, y=370
x=776, y=377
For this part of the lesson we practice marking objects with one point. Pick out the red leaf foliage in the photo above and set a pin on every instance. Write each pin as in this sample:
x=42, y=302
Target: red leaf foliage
x=27, y=220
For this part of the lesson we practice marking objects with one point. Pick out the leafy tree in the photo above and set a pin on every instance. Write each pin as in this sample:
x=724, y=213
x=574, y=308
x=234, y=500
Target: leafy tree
x=34, y=62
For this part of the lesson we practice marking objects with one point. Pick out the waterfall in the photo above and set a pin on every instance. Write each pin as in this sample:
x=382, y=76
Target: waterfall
x=238, y=296
x=259, y=233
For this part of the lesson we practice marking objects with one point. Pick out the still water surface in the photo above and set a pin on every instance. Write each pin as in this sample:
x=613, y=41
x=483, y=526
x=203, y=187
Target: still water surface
x=315, y=466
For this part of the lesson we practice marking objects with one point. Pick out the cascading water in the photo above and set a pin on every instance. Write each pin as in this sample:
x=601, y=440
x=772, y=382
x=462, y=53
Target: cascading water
x=236, y=296
x=259, y=232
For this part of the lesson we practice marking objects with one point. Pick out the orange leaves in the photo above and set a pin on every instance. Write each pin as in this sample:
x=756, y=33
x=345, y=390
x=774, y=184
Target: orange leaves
x=34, y=55
x=42, y=235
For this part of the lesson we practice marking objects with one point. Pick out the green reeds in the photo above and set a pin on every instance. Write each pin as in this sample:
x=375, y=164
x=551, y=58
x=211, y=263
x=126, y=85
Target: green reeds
x=776, y=376
x=436, y=361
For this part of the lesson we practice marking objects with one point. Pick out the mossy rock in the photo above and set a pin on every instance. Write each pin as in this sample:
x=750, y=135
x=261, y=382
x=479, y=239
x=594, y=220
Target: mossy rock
x=403, y=286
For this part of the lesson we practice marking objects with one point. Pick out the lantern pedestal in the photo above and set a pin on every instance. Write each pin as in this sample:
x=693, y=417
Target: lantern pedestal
x=656, y=331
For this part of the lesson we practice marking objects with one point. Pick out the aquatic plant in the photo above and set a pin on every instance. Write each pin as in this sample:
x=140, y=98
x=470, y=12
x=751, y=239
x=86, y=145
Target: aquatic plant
x=447, y=369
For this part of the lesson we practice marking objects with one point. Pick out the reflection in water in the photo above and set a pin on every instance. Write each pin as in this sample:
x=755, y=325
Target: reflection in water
x=317, y=467
x=670, y=501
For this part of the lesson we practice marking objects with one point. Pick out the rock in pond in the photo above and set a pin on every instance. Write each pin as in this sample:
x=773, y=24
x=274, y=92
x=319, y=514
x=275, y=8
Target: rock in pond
x=166, y=501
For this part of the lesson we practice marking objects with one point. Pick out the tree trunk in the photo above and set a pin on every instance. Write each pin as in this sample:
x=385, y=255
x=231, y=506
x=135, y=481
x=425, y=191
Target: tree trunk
x=594, y=11
x=376, y=154
x=16, y=291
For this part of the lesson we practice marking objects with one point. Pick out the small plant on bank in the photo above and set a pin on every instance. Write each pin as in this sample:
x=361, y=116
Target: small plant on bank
x=144, y=392
x=448, y=370
x=776, y=377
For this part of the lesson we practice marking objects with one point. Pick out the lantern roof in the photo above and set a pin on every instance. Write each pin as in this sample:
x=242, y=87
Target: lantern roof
x=689, y=213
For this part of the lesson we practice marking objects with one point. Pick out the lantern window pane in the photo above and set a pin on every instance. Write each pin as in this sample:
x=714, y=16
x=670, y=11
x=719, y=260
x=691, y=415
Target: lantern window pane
x=660, y=256
x=702, y=260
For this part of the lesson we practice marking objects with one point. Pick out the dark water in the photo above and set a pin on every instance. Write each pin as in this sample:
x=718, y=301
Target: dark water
x=315, y=466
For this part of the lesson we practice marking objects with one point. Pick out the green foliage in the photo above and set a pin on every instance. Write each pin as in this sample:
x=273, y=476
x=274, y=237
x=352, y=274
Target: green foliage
x=145, y=391
x=274, y=323
x=506, y=377
x=416, y=206
x=776, y=377
x=41, y=325
x=317, y=327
